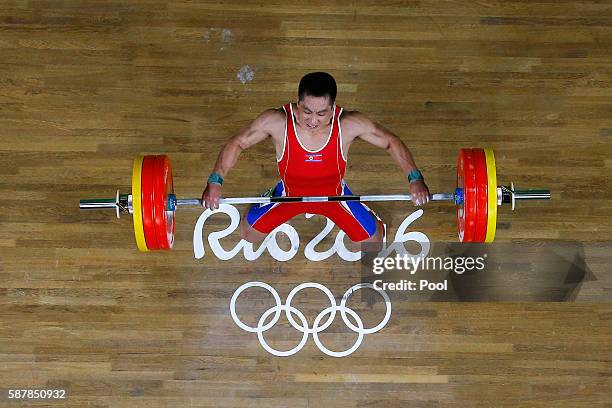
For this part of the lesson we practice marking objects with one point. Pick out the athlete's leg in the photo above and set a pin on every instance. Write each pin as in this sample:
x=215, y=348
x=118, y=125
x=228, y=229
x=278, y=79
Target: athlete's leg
x=378, y=235
x=363, y=227
x=247, y=232
x=254, y=212
x=260, y=220
x=375, y=242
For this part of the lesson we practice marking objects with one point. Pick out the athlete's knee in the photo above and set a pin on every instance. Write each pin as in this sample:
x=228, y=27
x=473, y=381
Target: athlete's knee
x=377, y=236
x=250, y=234
x=380, y=227
x=246, y=233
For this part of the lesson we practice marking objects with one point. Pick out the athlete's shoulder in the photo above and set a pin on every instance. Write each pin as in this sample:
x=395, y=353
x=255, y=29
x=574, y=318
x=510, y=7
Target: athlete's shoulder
x=355, y=120
x=270, y=122
x=272, y=115
x=270, y=119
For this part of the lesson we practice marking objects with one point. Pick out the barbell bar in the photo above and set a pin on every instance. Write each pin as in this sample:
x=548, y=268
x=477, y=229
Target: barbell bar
x=152, y=201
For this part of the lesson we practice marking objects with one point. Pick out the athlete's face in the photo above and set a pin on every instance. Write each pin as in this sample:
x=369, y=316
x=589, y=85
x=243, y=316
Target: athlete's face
x=314, y=112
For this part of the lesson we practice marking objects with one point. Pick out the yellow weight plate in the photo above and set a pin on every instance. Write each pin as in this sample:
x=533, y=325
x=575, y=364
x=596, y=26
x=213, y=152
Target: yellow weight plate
x=137, y=204
x=492, y=193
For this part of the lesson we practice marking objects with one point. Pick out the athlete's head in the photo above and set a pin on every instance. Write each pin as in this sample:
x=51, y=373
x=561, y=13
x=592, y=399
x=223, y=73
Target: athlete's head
x=316, y=98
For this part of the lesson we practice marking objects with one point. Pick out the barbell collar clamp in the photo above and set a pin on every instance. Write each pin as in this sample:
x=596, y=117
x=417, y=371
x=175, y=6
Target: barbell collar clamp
x=509, y=195
x=122, y=204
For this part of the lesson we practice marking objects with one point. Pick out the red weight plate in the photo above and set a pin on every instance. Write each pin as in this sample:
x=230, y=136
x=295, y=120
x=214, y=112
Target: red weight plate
x=163, y=187
x=482, y=198
x=146, y=178
x=466, y=180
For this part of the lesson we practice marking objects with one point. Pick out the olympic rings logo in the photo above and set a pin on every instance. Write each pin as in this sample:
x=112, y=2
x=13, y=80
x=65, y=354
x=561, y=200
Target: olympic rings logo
x=304, y=328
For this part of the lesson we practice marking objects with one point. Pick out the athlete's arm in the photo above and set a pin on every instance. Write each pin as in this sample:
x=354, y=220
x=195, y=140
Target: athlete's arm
x=379, y=136
x=255, y=132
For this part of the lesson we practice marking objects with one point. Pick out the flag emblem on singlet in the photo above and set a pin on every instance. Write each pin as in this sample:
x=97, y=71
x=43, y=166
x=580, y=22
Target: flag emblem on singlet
x=313, y=157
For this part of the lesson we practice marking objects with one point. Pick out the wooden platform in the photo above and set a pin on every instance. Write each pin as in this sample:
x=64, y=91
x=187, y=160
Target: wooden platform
x=86, y=85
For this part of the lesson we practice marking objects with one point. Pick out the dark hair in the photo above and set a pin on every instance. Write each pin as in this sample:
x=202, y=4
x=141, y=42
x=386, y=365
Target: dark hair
x=318, y=84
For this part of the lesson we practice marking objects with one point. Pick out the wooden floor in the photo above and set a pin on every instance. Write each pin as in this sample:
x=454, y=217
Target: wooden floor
x=86, y=85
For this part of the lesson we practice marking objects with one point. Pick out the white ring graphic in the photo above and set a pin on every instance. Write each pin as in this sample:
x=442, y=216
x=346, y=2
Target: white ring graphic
x=277, y=308
x=323, y=289
x=343, y=309
x=265, y=345
x=315, y=334
x=304, y=328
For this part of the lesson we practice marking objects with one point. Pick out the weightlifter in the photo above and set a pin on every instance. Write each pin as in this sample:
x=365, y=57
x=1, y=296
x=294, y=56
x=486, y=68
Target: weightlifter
x=312, y=139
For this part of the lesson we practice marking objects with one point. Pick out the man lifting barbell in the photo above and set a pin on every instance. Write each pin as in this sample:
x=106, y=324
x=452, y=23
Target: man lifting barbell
x=312, y=169
x=312, y=140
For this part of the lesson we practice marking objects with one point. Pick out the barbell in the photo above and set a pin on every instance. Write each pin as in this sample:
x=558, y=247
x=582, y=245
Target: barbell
x=152, y=201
